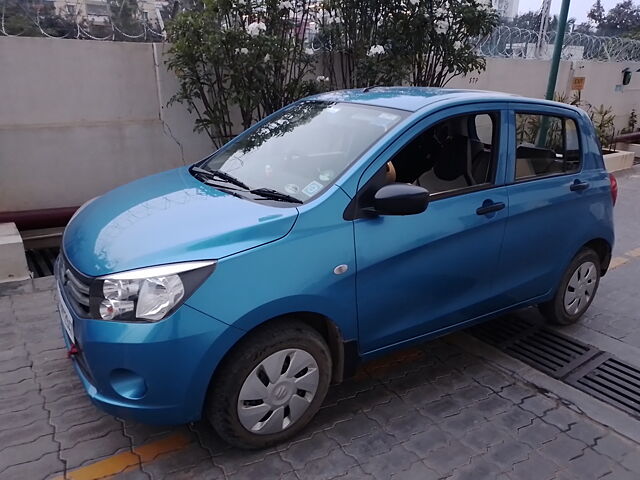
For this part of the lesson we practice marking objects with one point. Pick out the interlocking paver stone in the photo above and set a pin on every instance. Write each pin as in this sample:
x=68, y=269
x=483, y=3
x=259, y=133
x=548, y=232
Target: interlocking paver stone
x=317, y=446
x=507, y=454
x=493, y=405
x=615, y=447
x=358, y=426
x=191, y=456
x=563, y=449
x=538, y=404
x=205, y=469
x=514, y=418
x=424, y=442
x=404, y=427
x=272, y=466
x=26, y=434
x=485, y=436
x=44, y=466
x=538, y=433
x=589, y=465
x=417, y=471
x=444, y=460
x=394, y=461
x=535, y=467
x=28, y=452
x=89, y=451
x=370, y=445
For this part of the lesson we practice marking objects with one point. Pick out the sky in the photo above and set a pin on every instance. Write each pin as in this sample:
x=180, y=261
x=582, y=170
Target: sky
x=578, y=9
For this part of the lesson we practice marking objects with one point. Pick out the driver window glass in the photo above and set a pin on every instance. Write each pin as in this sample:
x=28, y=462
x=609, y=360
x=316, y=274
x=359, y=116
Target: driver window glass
x=451, y=156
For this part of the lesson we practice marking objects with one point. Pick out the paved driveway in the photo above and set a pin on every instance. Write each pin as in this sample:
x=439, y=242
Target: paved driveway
x=436, y=411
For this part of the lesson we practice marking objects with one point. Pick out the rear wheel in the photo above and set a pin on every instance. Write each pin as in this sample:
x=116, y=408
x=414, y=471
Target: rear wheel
x=577, y=289
x=271, y=386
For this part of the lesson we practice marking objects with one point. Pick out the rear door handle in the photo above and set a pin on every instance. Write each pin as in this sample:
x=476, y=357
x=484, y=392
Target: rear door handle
x=492, y=207
x=578, y=186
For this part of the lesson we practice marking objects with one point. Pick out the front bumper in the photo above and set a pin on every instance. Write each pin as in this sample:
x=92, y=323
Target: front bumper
x=155, y=373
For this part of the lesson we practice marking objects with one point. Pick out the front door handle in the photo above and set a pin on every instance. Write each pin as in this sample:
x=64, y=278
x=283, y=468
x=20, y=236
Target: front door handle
x=490, y=208
x=578, y=186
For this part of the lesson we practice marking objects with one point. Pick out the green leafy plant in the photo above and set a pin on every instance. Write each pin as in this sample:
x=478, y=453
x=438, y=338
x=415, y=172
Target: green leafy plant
x=424, y=42
x=238, y=54
x=603, y=120
x=632, y=123
x=254, y=56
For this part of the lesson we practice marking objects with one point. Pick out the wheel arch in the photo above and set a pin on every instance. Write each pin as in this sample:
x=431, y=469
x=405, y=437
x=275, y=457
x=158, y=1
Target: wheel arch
x=603, y=248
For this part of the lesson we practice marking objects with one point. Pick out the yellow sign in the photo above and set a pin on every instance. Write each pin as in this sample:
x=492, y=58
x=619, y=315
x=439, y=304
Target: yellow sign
x=577, y=83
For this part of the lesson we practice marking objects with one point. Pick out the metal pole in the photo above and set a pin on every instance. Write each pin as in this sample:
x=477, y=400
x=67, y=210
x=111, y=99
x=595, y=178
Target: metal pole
x=557, y=49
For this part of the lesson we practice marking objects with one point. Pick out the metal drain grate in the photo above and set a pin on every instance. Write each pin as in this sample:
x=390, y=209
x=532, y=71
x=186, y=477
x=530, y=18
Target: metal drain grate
x=524, y=336
x=530, y=341
x=41, y=260
x=551, y=352
x=611, y=381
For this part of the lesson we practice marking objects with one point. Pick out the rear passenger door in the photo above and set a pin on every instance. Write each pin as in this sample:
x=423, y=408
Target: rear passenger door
x=549, y=194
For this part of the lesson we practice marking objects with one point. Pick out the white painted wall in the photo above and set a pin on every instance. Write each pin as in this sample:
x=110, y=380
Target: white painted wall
x=529, y=78
x=79, y=117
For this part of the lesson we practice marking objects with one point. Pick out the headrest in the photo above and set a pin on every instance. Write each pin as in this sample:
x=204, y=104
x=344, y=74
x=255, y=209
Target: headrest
x=452, y=161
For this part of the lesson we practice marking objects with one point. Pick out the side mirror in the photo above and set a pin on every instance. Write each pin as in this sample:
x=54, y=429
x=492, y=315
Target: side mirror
x=400, y=199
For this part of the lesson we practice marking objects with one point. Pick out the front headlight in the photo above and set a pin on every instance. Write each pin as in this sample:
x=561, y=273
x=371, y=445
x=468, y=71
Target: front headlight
x=147, y=294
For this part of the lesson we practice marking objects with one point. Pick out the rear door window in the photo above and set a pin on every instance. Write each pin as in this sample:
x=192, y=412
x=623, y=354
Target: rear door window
x=546, y=145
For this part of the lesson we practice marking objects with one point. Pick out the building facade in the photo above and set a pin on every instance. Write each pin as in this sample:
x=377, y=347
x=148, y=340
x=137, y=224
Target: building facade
x=506, y=8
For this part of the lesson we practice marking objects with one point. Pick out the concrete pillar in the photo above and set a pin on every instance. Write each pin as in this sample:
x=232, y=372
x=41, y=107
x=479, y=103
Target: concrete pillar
x=13, y=262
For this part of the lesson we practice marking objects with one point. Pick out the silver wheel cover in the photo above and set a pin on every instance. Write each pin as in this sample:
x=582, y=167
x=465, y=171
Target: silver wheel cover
x=580, y=288
x=278, y=391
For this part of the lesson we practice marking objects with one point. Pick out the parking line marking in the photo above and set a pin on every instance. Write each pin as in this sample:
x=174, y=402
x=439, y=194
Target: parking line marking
x=617, y=261
x=125, y=461
x=633, y=253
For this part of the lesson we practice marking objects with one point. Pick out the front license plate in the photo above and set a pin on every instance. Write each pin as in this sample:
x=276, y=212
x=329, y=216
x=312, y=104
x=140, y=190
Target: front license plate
x=65, y=316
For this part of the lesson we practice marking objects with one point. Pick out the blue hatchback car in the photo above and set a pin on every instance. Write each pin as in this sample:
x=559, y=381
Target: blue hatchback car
x=342, y=227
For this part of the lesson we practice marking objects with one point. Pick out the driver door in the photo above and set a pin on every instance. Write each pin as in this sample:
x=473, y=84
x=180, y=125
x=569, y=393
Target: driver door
x=422, y=274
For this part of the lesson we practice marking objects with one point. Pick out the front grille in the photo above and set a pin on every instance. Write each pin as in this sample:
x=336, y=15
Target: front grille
x=75, y=285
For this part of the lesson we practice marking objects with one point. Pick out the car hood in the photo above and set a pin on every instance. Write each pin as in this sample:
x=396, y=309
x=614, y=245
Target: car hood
x=165, y=218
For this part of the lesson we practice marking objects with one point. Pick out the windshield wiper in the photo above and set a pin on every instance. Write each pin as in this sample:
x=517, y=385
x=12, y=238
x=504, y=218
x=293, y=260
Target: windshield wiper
x=219, y=174
x=271, y=194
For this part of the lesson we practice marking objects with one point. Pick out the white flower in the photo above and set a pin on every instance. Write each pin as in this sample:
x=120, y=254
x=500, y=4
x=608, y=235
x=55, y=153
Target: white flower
x=441, y=12
x=242, y=50
x=286, y=4
x=242, y=2
x=255, y=28
x=457, y=45
x=309, y=51
x=267, y=58
x=322, y=78
x=485, y=5
x=375, y=50
x=414, y=2
x=442, y=26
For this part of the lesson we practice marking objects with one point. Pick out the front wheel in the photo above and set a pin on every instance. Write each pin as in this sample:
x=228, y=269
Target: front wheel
x=577, y=289
x=271, y=386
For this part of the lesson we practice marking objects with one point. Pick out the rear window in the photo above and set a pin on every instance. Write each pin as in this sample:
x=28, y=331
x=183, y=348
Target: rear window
x=546, y=145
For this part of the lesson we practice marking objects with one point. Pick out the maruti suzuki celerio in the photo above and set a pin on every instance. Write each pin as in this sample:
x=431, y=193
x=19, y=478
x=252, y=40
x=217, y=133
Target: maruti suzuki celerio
x=341, y=227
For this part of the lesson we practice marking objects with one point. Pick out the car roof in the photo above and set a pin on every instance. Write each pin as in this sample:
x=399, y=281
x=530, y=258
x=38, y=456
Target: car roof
x=415, y=98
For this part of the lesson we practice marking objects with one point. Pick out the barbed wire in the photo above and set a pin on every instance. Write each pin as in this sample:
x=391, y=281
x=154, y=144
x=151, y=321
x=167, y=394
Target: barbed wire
x=505, y=41
x=513, y=42
x=77, y=27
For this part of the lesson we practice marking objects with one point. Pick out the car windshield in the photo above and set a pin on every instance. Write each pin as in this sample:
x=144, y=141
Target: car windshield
x=303, y=150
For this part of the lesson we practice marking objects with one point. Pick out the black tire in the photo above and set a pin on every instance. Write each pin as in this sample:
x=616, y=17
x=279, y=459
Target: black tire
x=221, y=405
x=554, y=310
